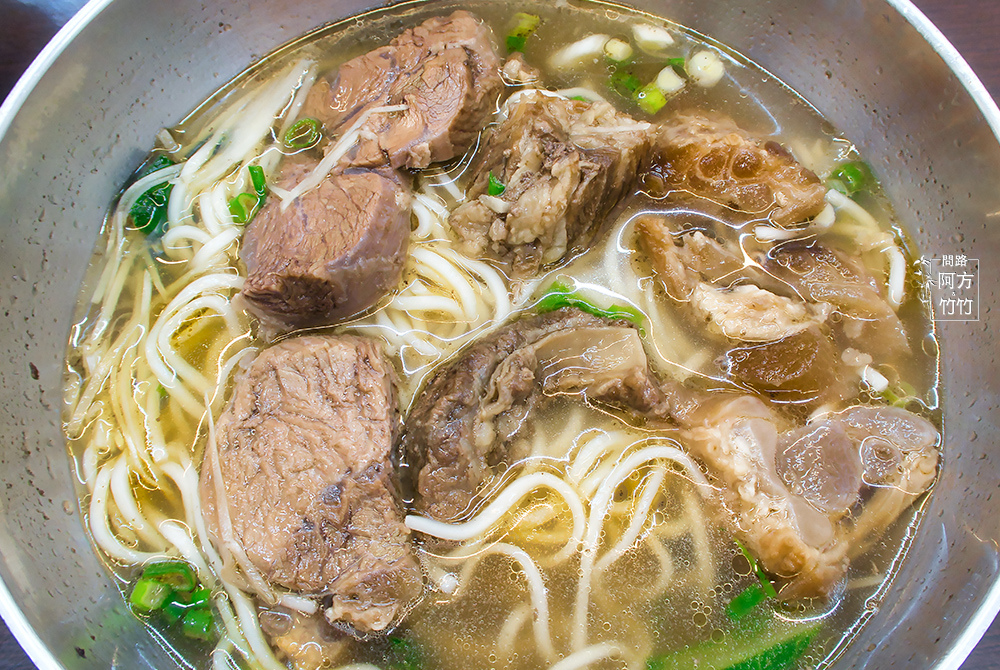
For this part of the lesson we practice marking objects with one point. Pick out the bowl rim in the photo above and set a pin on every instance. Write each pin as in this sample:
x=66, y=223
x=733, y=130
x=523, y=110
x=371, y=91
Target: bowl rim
x=11, y=612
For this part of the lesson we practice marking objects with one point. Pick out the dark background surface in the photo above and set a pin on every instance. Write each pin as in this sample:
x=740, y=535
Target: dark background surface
x=973, y=26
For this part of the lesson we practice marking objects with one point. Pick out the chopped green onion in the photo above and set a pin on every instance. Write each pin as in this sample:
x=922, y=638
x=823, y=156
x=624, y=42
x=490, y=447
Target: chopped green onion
x=650, y=99
x=756, y=645
x=244, y=206
x=178, y=574
x=678, y=64
x=560, y=295
x=837, y=185
x=257, y=179
x=617, y=51
x=404, y=654
x=150, y=210
x=524, y=27
x=516, y=43
x=496, y=187
x=198, y=624
x=854, y=177
x=161, y=390
x=303, y=134
x=624, y=83
x=746, y=601
x=580, y=98
x=761, y=576
x=149, y=594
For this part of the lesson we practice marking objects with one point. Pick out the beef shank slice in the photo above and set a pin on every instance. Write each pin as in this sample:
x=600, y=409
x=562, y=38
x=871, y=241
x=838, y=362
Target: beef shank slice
x=303, y=457
x=565, y=165
x=331, y=253
x=444, y=70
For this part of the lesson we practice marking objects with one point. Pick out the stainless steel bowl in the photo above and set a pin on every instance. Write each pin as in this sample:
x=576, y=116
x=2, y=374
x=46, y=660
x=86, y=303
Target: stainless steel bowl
x=86, y=112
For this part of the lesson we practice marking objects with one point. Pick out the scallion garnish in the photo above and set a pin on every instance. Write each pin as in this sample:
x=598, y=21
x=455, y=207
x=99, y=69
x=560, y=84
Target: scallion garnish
x=524, y=27
x=650, y=99
x=624, y=83
x=495, y=187
x=851, y=178
x=198, y=624
x=177, y=574
x=149, y=594
x=303, y=134
x=560, y=295
x=257, y=179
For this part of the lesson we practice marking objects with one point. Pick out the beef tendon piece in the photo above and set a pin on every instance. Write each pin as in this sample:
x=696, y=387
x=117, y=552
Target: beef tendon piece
x=331, y=253
x=793, y=494
x=710, y=157
x=803, y=367
x=447, y=74
x=461, y=428
x=564, y=165
x=300, y=479
x=713, y=284
x=822, y=274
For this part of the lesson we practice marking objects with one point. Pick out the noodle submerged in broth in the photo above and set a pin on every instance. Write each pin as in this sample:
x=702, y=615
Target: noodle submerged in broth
x=503, y=340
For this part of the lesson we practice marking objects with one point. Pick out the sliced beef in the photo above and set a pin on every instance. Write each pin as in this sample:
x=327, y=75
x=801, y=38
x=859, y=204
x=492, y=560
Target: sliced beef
x=565, y=165
x=461, y=426
x=447, y=74
x=333, y=252
x=300, y=479
x=713, y=159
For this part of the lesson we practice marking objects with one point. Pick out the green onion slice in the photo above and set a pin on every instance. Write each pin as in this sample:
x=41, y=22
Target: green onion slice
x=303, y=134
x=560, y=295
x=496, y=187
x=198, y=624
x=178, y=574
x=149, y=594
x=650, y=99
x=244, y=206
x=851, y=178
x=257, y=179
x=524, y=27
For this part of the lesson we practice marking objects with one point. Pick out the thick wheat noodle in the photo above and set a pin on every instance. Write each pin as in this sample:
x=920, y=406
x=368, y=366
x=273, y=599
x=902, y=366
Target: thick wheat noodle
x=99, y=527
x=510, y=496
x=599, y=510
x=536, y=587
x=650, y=488
x=511, y=626
x=121, y=491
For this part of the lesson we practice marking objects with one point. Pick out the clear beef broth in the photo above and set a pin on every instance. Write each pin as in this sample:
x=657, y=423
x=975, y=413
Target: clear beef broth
x=667, y=600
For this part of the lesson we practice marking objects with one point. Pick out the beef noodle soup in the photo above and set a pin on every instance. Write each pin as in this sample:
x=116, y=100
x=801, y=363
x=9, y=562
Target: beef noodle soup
x=503, y=337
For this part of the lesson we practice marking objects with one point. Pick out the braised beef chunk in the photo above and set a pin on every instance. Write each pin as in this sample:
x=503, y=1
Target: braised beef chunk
x=333, y=252
x=564, y=165
x=718, y=291
x=821, y=274
x=789, y=492
x=303, y=483
x=462, y=424
x=713, y=159
x=444, y=70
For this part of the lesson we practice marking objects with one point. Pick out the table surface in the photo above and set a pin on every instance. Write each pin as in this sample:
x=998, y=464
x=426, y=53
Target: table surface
x=971, y=25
